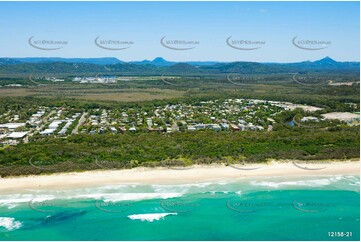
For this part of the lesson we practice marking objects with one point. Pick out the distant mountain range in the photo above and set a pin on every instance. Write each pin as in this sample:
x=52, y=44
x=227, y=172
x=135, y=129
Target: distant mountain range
x=159, y=61
x=96, y=61
x=160, y=66
x=326, y=63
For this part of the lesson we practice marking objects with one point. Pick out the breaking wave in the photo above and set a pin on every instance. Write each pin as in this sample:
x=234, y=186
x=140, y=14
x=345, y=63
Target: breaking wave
x=149, y=217
x=9, y=223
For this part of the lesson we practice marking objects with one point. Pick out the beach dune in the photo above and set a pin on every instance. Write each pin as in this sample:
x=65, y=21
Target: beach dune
x=174, y=175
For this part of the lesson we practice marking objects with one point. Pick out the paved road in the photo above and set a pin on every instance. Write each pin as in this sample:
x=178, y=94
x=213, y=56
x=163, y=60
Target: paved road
x=44, y=122
x=81, y=121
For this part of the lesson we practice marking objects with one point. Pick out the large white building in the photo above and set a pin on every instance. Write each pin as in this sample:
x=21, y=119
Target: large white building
x=12, y=126
x=16, y=135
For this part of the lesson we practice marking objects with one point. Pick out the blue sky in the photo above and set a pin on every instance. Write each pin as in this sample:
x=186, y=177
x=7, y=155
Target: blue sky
x=209, y=23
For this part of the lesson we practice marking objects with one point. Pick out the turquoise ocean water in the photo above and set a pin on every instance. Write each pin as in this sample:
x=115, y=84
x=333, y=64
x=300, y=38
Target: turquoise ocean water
x=293, y=208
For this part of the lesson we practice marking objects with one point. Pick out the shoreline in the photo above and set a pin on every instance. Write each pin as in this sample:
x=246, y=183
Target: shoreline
x=162, y=175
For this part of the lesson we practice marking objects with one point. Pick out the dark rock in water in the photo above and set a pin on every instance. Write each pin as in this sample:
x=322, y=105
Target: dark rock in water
x=62, y=216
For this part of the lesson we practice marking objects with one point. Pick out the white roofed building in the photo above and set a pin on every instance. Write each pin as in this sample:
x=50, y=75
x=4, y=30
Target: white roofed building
x=16, y=135
x=12, y=126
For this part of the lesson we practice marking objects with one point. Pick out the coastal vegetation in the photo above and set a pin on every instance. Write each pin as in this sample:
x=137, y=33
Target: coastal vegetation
x=327, y=140
x=83, y=151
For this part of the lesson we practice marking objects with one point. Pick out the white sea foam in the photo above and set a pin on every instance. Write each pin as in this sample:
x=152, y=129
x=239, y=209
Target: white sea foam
x=9, y=223
x=189, y=188
x=9, y=205
x=306, y=183
x=352, y=180
x=355, y=184
x=115, y=197
x=11, y=201
x=179, y=187
x=222, y=192
x=149, y=217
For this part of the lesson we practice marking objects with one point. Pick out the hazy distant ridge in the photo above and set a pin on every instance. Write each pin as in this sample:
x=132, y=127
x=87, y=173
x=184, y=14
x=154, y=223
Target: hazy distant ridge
x=160, y=66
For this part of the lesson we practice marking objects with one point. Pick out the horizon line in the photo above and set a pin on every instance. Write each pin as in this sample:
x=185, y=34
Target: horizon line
x=270, y=62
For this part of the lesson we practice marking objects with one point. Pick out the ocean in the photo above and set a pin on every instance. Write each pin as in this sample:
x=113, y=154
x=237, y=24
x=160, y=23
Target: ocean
x=274, y=208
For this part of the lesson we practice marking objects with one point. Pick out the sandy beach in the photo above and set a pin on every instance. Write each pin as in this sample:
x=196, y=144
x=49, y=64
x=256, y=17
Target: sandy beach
x=165, y=175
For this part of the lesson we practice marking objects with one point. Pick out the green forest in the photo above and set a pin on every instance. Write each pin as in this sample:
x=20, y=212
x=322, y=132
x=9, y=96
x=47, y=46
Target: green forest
x=328, y=140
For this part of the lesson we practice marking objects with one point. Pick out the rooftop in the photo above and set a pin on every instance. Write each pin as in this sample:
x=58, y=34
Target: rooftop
x=17, y=135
